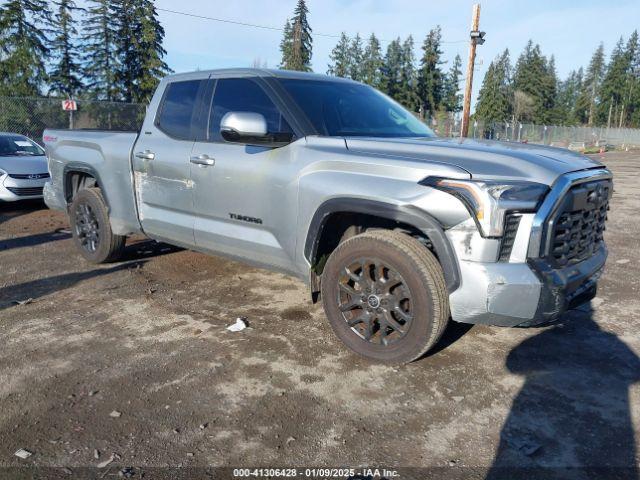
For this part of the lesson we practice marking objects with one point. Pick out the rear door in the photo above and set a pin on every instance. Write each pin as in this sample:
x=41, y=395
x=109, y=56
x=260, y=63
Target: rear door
x=161, y=163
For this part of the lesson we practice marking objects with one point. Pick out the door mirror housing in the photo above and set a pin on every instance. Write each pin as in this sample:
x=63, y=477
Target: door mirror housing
x=250, y=128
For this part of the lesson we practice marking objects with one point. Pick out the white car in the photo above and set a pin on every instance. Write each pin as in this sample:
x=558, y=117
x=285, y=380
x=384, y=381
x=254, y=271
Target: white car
x=23, y=168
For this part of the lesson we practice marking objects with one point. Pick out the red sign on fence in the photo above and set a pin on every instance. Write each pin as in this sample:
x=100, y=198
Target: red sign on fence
x=69, y=105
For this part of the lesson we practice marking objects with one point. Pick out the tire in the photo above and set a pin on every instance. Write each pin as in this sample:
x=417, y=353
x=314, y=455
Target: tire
x=406, y=309
x=91, y=230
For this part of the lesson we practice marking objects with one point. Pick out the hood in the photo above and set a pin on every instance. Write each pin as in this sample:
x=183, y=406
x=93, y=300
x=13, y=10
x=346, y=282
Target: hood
x=483, y=159
x=24, y=164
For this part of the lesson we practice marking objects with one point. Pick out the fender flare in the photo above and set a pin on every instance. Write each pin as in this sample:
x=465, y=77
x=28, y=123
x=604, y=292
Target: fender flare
x=74, y=167
x=407, y=214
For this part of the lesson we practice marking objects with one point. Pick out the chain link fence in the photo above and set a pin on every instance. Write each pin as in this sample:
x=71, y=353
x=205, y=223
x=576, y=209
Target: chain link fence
x=574, y=138
x=30, y=116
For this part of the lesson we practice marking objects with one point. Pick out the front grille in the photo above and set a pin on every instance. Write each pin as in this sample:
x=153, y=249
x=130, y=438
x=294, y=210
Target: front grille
x=26, y=192
x=29, y=176
x=510, y=230
x=578, y=226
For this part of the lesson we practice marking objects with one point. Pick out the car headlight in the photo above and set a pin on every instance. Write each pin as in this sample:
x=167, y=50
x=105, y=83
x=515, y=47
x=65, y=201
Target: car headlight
x=489, y=201
x=2, y=173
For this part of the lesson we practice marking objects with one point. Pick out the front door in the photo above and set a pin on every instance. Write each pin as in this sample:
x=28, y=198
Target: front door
x=162, y=167
x=244, y=200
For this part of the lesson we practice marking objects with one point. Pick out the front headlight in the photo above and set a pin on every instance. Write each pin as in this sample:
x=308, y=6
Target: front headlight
x=2, y=173
x=489, y=201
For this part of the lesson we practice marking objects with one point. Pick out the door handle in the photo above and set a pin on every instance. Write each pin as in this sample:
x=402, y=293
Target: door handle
x=146, y=155
x=204, y=160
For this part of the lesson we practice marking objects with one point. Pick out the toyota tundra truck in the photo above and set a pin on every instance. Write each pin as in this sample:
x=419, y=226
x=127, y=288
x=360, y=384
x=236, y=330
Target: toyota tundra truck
x=394, y=229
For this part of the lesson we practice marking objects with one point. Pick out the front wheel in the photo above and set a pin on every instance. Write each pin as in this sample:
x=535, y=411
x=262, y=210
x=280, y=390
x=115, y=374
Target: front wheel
x=385, y=296
x=91, y=229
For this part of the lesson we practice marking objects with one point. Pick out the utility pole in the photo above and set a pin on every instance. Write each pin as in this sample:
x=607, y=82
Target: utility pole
x=477, y=38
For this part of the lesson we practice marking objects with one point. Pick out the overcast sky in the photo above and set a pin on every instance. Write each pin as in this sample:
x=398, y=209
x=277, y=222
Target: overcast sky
x=569, y=29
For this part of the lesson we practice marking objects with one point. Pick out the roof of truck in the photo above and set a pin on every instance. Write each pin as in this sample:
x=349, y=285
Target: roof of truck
x=261, y=72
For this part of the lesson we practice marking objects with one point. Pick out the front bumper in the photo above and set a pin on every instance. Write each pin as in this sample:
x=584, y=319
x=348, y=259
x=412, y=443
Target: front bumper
x=531, y=286
x=13, y=189
x=523, y=294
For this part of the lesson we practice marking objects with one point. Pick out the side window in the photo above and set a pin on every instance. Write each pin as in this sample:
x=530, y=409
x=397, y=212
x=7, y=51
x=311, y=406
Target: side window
x=243, y=95
x=178, y=109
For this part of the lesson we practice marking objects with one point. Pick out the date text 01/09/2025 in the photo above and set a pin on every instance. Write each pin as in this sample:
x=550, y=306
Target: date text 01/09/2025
x=316, y=473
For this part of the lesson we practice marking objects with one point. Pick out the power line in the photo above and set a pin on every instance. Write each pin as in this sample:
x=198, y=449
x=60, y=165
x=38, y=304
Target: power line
x=266, y=27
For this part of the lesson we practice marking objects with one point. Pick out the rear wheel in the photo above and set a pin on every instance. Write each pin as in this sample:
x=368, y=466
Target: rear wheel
x=385, y=296
x=91, y=229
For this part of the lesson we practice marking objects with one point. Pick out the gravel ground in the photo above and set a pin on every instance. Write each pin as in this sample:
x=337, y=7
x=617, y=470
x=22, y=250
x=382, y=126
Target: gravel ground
x=146, y=338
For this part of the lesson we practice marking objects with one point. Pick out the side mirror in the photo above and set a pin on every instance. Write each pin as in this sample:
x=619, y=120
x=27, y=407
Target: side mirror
x=251, y=129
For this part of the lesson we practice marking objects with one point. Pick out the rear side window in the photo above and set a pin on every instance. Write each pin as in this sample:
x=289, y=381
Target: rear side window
x=243, y=95
x=179, y=107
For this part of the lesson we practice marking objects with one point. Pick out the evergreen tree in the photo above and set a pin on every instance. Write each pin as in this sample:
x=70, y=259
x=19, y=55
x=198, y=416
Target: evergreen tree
x=390, y=73
x=612, y=91
x=567, y=100
x=100, y=58
x=340, y=65
x=297, y=41
x=590, y=91
x=550, y=85
x=536, y=80
x=452, y=99
x=23, y=46
x=407, y=95
x=634, y=81
x=139, y=36
x=355, y=59
x=495, y=97
x=630, y=99
x=65, y=79
x=430, y=76
x=285, y=44
x=372, y=63
x=151, y=52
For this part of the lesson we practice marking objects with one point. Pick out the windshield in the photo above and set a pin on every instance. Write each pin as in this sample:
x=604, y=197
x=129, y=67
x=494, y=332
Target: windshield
x=17, y=145
x=352, y=109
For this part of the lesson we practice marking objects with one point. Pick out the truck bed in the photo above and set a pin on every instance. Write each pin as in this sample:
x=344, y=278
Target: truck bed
x=105, y=155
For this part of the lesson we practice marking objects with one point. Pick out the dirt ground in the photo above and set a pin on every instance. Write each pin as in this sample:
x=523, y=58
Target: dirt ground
x=146, y=338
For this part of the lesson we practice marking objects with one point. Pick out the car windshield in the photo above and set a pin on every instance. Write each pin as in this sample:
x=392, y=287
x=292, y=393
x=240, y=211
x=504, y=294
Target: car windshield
x=17, y=145
x=337, y=108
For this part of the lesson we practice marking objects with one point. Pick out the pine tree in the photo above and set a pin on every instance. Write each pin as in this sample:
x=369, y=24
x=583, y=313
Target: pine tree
x=100, y=57
x=629, y=100
x=430, y=76
x=297, y=41
x=590, y=91
x=139, y=48
x=567, y=100
x=407, y=95
x=550, y=87
x=390, y=73
x=535, y=80
x=23, y=46
x=612, y=90
x=495, y=97
x=634, y=81
x=452, y=99
x=355, y=59
x=372, y=63
x=65, y=79
x=129, y=64
x=285, y=44
x=151, y=51
x=340, y=65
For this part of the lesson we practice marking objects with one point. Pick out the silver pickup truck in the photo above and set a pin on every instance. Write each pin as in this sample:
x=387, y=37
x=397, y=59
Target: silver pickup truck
x=394, y=229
